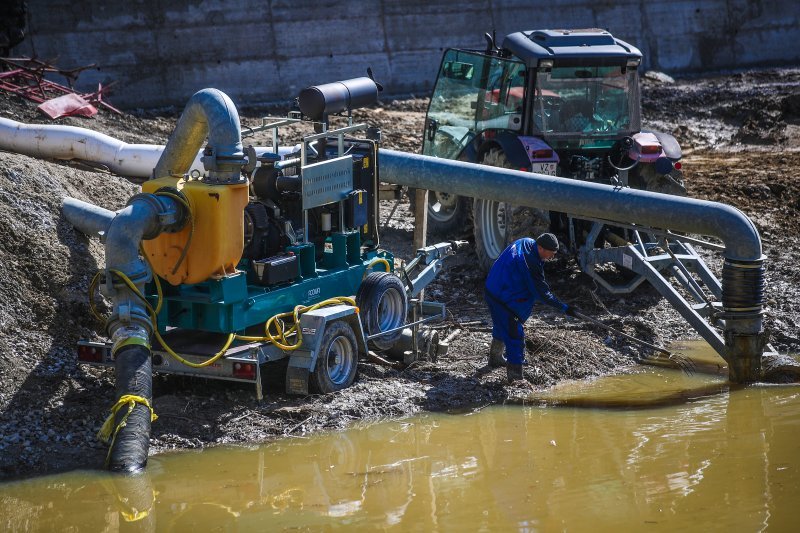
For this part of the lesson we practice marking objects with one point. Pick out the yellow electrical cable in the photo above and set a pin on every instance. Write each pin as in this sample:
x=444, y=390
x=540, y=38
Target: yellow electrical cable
x=378, y=260
x=276, y=322
x=92, y=288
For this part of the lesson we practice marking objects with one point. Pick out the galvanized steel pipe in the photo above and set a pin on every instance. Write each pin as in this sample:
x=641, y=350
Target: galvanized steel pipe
x=742, y=281
x=209, y=113
x=740, y=236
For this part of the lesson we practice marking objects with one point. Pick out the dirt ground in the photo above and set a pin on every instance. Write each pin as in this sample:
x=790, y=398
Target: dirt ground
x=740, y=136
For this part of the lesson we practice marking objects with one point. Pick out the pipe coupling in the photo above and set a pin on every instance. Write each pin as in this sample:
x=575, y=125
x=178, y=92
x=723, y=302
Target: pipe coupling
x=742, y=288
x=223, y=169
x=128, y=335
x=171, y=213
x=126, y=319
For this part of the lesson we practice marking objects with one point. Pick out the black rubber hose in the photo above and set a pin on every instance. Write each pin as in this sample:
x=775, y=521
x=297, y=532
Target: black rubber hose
x=136, y=500
x=742, y=286
x=134, y=375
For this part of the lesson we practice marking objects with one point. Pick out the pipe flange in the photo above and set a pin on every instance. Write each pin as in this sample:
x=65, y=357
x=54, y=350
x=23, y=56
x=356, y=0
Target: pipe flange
x=173, y=222
x=131, y=317
x=171, y=213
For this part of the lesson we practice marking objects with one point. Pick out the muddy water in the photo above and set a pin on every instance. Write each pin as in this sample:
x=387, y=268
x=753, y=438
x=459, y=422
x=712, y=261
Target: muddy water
x=658, y=450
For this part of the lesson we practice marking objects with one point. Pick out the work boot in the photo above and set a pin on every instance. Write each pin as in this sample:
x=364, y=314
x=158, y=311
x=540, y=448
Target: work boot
x=514, y=372
x=496, y=359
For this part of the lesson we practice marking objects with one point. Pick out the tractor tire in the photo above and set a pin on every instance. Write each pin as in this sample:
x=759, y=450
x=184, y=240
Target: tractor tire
x=337, y=361
x=652, y=181
x=383, y=305
x=496, y=224
x=450, y=216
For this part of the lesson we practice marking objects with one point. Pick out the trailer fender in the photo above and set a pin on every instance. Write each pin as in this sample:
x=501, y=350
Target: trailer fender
x=312, y=327
x=669, y=144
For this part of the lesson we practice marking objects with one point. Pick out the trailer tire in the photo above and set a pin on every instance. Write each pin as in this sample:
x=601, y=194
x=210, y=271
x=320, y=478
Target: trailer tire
x=337, y=361
x=383, y=305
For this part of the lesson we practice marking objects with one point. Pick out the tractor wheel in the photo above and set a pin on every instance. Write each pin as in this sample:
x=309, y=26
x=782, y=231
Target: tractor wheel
x=447, y=213
x=383, y=305
x=653, y=181
x=496, y=224
x=337, y=361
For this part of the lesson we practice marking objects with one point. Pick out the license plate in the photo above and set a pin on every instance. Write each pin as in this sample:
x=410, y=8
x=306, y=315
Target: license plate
x=544, y=168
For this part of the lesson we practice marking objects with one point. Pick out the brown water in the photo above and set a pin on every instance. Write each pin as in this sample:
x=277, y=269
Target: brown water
x=713, y=458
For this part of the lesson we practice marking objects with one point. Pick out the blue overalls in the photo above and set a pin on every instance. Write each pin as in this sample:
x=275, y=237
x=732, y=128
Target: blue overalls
x=515, y=283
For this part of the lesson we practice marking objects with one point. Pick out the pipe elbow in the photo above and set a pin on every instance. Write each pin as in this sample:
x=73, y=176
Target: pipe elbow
x=209, y=113
x=740, y=235
x=124, y=235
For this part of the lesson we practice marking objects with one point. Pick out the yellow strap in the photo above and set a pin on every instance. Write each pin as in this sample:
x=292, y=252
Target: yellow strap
x=135, y=516
x=105, y=433
x=130, y=341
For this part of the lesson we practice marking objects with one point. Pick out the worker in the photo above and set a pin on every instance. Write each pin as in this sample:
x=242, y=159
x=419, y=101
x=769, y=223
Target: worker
x=515, y=283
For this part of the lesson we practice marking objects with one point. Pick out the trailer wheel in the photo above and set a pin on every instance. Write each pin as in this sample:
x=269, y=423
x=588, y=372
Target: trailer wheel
x=337, y=362
x=383, y=305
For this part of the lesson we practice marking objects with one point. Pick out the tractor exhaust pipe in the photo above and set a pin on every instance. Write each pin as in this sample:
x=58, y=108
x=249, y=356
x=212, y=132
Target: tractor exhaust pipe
x=743, y=271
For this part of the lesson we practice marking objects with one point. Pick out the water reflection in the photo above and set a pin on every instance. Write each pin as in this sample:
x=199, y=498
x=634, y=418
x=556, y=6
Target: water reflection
x=724, y=461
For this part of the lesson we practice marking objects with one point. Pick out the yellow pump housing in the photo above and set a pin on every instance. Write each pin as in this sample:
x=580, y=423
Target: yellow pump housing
x=218, y=238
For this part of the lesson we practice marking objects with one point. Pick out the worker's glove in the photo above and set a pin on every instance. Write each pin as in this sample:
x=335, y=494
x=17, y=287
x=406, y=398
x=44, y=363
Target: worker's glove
x=570, y=311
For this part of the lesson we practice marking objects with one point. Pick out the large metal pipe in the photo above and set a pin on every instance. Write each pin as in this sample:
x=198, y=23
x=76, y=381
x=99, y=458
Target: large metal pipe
x=743, y=279
x=210, y=113
x=740, y=236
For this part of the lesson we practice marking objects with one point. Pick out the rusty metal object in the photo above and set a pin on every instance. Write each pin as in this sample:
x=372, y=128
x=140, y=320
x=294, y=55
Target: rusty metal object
x=25, y=77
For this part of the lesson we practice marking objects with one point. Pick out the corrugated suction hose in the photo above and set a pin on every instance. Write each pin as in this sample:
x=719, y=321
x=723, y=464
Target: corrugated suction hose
x=131, y=437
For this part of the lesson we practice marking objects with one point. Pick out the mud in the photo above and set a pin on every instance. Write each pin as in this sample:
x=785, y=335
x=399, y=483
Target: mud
x=740, y=138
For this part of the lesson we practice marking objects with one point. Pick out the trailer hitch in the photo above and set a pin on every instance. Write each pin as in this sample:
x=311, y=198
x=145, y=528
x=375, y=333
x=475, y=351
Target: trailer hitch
x=421, y=271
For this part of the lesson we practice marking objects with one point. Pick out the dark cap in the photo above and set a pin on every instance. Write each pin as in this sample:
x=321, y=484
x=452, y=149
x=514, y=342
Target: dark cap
x=547, y=241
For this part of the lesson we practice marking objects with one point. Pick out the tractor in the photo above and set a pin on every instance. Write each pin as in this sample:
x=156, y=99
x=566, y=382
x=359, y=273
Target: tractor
x=557, y=102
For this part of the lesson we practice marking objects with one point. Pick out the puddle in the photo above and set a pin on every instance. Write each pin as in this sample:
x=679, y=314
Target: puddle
x=676, y=457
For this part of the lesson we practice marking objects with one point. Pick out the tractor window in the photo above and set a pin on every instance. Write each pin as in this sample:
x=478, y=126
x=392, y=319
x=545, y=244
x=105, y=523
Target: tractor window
x=473, y=92
x=587, y=100
x=501, y=106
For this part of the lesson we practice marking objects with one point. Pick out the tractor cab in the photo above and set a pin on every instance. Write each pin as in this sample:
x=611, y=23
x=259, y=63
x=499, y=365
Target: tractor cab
x=561, y=86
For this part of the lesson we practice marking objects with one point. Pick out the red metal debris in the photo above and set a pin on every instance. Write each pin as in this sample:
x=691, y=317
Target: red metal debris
x=26, y=77
x=67, y=105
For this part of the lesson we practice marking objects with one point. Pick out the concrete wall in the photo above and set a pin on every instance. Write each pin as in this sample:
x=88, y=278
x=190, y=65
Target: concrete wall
x=162, y=51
